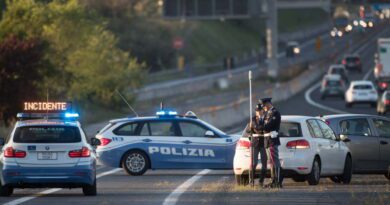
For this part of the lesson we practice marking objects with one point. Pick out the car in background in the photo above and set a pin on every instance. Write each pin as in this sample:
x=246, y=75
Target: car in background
x=165, y=141
x=361, y=92
x=352, y=62
x=383, y=103
x=332, y=85
x=368, y=138
x=339, y=69
x=292, y=49
x=309, y=150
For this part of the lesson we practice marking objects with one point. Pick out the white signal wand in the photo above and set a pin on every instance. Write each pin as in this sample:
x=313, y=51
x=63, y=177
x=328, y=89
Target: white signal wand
x=252, y=175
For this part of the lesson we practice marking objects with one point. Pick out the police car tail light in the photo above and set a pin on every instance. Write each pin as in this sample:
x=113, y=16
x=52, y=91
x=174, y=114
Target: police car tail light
x=105, y=141
x=83, y=152
x=298, y=144
x=243, y=144
x=10, y=152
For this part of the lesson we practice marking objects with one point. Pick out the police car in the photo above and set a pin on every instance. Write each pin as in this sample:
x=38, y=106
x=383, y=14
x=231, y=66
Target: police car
x=47, y=150
x=165, y=141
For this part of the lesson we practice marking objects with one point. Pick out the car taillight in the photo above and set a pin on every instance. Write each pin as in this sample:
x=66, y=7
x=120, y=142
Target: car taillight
x=298, y=144
x=83, y=152
x=344, y=62
x=383, y=85
x=243, y=144
x=387, y=102
x=104, y=141
x=357, y=61
x=10, y=152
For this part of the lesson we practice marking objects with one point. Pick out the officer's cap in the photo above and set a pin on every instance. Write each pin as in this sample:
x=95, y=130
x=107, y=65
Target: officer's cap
x=265, y=100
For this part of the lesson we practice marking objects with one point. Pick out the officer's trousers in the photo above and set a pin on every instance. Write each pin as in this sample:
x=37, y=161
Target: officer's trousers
x=273, y=156
x=260, y=149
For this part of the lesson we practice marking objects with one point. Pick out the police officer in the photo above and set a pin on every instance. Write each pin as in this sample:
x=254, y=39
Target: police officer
x=272, y=121
x=257, y=132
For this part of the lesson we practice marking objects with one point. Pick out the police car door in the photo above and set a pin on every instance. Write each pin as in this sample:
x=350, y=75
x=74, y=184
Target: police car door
x=202, y=148
x=163, y=144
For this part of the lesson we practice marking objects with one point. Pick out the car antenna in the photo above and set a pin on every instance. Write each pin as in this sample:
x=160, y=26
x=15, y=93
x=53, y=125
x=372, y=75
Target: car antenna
x=127, y=103
x=161, y=105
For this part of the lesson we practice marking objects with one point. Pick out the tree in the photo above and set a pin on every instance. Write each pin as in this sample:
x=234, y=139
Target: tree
x=21, y=70
x=86, y=64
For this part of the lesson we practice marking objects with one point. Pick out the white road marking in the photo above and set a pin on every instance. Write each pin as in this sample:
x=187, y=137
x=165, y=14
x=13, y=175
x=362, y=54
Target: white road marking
x=315, y=104
x=174, y=196
x=367, y=75
x=50, y=191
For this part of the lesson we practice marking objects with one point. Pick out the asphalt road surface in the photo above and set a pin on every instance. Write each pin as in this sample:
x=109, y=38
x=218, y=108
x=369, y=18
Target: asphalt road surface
x=214, y=187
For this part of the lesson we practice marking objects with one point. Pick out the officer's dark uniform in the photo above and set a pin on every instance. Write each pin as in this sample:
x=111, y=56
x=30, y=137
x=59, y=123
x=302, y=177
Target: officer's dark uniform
x=272, y=122
x=257, y=133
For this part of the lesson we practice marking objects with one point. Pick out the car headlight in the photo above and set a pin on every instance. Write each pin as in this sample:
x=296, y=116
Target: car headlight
x=297, y=50
x=340, y=34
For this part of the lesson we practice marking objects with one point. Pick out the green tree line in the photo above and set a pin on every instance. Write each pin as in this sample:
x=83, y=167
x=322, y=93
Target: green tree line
x=64, y=47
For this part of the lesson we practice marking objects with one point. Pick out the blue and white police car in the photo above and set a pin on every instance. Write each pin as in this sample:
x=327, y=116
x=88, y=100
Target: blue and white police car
x=165, y=141
x=47, y=150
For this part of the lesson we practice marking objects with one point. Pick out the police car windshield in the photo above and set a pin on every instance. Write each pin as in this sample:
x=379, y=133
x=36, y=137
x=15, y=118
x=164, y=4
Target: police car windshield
x=214, y=128
x=47, y=134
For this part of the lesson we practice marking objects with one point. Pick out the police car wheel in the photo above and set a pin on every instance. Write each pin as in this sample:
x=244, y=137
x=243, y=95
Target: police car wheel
x=135, y=163
x=242, y=180
x=90, y=190
x=6, y=190
x=314, y=177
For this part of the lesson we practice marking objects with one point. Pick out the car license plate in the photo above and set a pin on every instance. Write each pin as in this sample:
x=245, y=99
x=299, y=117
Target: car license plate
x=47, y=155
x=363, y=94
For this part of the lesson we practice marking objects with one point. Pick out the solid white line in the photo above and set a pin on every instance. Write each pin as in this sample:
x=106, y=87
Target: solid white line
x=368, y=74
x=50, y=191
x=174, y=196
x=315, y=104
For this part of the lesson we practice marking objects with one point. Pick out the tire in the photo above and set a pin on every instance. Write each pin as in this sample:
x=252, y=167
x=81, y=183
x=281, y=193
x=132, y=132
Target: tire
x=387, y=175
x=346, y=177
x=299, y=178
x=373, y=104
x=90, y=190
x=6, y=190
x=314, y=177
x=335, y=179
x=242, y=180
x=135, y=163
x=323, y=97
x=348, y=105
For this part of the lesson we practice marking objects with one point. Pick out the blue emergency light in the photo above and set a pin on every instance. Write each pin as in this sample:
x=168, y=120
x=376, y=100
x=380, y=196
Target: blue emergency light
x=47, y=110
x=166, y=113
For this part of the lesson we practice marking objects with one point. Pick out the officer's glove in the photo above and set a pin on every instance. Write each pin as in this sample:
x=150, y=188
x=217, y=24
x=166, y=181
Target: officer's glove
x=274, y=134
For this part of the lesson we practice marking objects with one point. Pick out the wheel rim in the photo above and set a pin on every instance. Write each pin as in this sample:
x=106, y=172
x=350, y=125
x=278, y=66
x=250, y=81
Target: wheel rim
x=135, y=162
x=316, y=171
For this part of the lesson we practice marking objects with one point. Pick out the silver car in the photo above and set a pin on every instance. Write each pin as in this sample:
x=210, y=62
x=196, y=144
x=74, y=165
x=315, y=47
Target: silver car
x=368, y=138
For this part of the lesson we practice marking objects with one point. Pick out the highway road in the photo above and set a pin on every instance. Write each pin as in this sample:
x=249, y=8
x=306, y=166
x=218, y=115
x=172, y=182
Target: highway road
x=214, y=187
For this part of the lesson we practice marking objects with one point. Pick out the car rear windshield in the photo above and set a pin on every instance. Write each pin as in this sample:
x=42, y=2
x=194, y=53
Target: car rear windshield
x=352, y=59
x=333, y=83
x=47, y=134
x=362, y=87
x=337, y=71
x=287, y=129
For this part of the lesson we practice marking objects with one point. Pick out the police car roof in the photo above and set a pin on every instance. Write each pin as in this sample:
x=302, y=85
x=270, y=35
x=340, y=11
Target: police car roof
x=128, y=119
x=50, y=122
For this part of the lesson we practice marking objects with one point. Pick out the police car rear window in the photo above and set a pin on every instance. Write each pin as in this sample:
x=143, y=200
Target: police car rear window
x=290, y=129
x=47, y=134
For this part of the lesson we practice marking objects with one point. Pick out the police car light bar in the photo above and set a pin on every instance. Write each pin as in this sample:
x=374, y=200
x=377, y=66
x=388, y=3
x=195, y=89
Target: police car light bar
x=64, y=116
x=166, y=113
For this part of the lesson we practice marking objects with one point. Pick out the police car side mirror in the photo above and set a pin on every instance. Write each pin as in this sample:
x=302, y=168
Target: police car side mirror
x=2, y=141
x=209, y=134
x=95, y=142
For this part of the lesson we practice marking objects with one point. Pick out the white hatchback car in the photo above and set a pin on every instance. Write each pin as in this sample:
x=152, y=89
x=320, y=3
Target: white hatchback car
x=309, y=150
x=361, y=92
